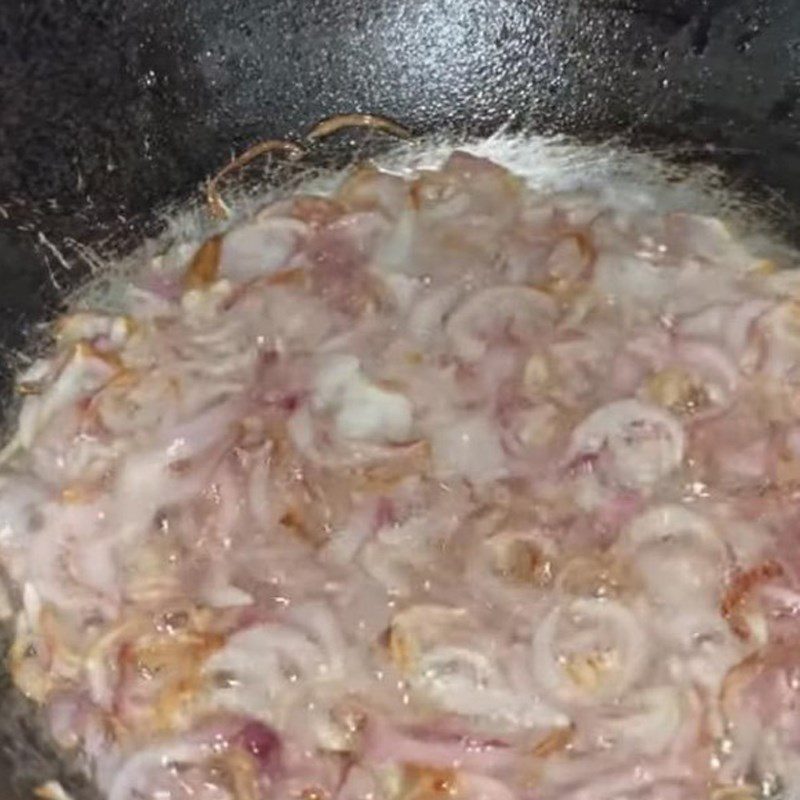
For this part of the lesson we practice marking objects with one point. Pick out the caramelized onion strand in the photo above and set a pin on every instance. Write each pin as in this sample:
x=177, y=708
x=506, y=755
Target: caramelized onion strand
x=329, y=126
x=216, y=205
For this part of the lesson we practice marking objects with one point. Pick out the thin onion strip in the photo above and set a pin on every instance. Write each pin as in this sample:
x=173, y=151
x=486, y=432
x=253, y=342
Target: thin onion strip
x=216, y=205
x=332, y=125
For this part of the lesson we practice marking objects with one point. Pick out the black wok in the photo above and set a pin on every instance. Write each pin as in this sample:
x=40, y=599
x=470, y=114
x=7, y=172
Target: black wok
x=111, y=108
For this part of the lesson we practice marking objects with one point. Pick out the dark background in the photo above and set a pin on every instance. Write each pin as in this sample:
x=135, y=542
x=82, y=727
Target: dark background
x=109, y=108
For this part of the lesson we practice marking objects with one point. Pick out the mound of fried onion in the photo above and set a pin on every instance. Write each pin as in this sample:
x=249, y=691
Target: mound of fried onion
x=434, y=487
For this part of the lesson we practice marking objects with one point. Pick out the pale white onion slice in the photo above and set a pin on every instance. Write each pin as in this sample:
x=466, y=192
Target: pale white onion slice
x=20, y=501
x=667, y=523
x=82, y=375
x=362, y=409
x=396, y=252
x=611, y=655
x=427, y=318
x=660, y=782
x=467, y=682
x=648, y=721
x=255, y=250
x=263, y=667
x=132, y=778
x=679, y=555
x=386, y=744
x=635, y=283
x=501, y=312
x=708, y=648
x=469, y=447
x=644, y=442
